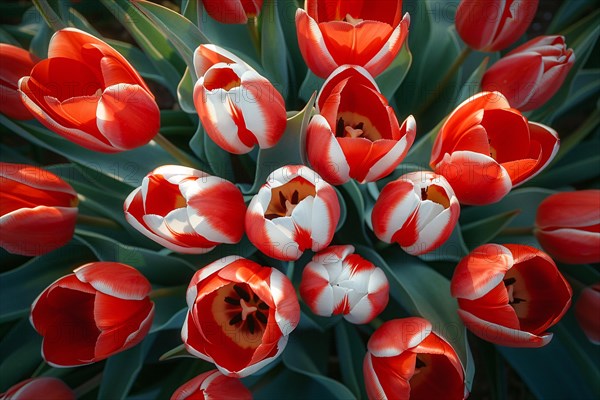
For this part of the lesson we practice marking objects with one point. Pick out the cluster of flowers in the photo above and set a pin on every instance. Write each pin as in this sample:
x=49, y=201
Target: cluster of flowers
x=241, y=313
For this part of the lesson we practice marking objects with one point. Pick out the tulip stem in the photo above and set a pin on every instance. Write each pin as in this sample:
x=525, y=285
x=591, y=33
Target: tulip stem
x=290, y=269
x=50, y=17
x=88, y=386
x=168, y=291
x=97, y=221
x=174, y=151
x=38, y=371
x=444, y=82
x=254, y=36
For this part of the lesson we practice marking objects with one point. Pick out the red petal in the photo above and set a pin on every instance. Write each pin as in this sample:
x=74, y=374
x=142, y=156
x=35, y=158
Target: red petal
x=515, y=21
x=396, y=336
x=388, y=52
x=324, y=152
x=115, y=279
x=477, y=22
x=571, y=246
x=586, y=311
x=227, y=12
x=312, y=45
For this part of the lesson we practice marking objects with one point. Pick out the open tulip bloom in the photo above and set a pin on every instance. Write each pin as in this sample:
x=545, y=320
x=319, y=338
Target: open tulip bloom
x=249, y=210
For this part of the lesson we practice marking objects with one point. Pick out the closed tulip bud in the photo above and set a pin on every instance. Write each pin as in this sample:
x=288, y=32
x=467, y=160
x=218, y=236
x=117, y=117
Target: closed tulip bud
x=212, y=385
x=38, y=210
x=418, y=211
x=493, y=25
x=88, y=93
x=587, y=310
x=567, y=225
x=532, y=73
x=356, y=134
x=16, y=63
x=510, y=294
x=238, y=107
x=294, y=211
x=98, y=311
x=485, y=148
x=337, y=281
x=240, y=315
x=186, y=210
x=407, y=360
x=232, y=11
x=338, y=32
x=44, y=387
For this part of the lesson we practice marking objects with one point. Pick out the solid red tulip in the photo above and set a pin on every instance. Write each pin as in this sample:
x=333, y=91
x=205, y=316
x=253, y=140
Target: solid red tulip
x=293, y=211
x=485, y=148
x=418, y=211
x=240, y=315
x=44, y=387
x=238, y=107
x=212, y=385
x=493, y=25
x=338, y=32
x=98, y=311
x=587, y=310
x=406, y=360
x=567, y=225
x=337, y=281
x=16, y=63
x=532, y=73
x=38, y=210
x=186, y=210
x=510, y=294
x=355, y=134
x=88, y=93
x=232, y=11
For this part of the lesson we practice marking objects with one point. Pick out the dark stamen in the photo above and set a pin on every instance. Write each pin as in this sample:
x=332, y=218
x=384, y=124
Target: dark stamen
x=263, y=306
x=360, y=126
x=282, y=200
x=295, y=197
x=420, y=363
x=261, y=317
x=339, y=129
x=271, y=216
x=251, y=323
x=424, y=193
x=242, y=293
x=509, y=281
x=232, y=301
x=256, y=298
x=236, y=319
x=516, y=300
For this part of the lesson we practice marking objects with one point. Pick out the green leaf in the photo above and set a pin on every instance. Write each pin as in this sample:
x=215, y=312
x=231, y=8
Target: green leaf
x=20, y=349
x=218, y=160
x=393, y=76
x=274, y=53
x=139, y=61
x=473, y=83
x=351, y=352
x=121, y=370
x=185, y=93
x=453, y=249
x=483, y=231
x=355, y=215
x=174, y=322
x=191, y=11
x=310, y=85
x=176, y=352
x=41, y=40
x=569, y=12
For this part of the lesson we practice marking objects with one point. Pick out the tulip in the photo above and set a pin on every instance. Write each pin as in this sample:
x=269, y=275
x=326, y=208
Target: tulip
x=212, y=385
x=418, y=211
x=89, y=94
x=186, y=210
x=232, y=11
x=100, y=310
x=485, y=148
x=337, y=281
x=532, y=73
x=493, y=25
x=587, y=310
x=238, y=107
x=405, y=359
x=356, y=133
x=510, y=294
x=240, y=315
x=338, y=32
x=16, y=63
x=38, y=210
x=568, y=226
x=44, y=387
x=294, y=211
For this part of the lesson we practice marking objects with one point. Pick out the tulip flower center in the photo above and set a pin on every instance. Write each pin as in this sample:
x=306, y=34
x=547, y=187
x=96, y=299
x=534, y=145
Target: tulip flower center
x=354, y=21
x=353, y=125
x=510, y=289
x=285, y=198
x=435, y=194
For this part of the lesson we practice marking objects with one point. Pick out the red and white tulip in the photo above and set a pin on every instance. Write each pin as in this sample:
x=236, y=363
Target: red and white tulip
x=485, y=148
x=510, y=294
x=238, y=107
x=567, y=225
x=338, y=32
x=38, y=210
x=16, y=63
x=186, y=210
x=212, y=385
x=355, y=134
x=406, y=360
x=418, y=211
x=587, y=310
x=88, y=93
x=337, y=281
x=100, y=310
x=240, y=315
x=293, y=211
x=44, y=387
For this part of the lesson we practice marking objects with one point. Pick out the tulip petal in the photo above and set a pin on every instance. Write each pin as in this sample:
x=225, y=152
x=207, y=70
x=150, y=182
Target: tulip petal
x=131, y=285
x=312, y=45
x=324, y=152
x=207, y=55
x=287, y=312
x=477, y=22
x=549, y=142
x=388, y=52
x=394, y=337
x=396, y=202
x=569, y=210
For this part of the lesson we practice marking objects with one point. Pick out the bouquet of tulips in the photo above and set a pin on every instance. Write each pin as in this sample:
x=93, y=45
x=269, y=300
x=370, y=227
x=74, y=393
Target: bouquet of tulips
x=329, y=199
